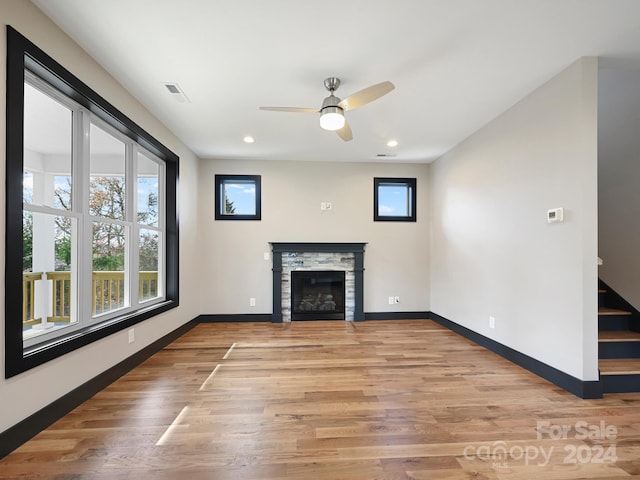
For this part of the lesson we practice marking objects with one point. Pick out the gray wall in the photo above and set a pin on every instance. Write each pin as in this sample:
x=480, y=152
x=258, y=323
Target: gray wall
x=232, y=253
x=25, y=394
x=493, y=252
x=619, y=179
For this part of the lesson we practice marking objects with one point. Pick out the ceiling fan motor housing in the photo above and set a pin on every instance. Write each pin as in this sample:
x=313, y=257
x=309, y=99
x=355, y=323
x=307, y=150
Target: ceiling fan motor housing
x=331, y=102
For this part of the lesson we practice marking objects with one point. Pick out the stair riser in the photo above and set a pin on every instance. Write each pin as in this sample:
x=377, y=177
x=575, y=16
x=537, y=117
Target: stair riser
x=619, y=350
x=613, y=322
x=620, y=383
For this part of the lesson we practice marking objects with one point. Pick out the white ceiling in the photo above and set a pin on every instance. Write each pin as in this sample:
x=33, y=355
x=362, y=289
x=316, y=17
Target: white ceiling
x=456, y=64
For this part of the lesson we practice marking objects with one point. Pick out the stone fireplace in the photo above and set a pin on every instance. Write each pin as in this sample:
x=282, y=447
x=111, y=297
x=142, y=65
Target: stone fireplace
x=320, y=261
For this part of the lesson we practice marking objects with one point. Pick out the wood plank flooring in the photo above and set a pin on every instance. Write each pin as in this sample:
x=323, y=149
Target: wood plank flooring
x=334, y=400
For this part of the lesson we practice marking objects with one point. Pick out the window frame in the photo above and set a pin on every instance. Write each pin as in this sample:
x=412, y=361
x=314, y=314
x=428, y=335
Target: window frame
x=22, y=56
x=410, y=183
x=220, y=180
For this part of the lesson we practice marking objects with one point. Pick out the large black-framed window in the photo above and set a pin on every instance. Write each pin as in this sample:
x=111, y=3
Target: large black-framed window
x=146, y=222
x=238, y=197
x=394, y=199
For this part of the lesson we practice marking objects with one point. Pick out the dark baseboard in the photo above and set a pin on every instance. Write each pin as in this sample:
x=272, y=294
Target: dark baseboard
x=29, y=427
x=242, y=317
x=267, y=317
x=396, y=316
x=580, y=388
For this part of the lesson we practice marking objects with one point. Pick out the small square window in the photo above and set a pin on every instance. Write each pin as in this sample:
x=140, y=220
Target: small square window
x=394, y=199
x=238, y=197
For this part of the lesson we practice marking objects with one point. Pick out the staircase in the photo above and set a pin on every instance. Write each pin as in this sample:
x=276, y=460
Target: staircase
x=618, y=343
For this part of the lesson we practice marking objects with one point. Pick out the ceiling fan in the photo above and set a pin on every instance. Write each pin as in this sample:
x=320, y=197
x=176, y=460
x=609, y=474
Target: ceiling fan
x=333, y=108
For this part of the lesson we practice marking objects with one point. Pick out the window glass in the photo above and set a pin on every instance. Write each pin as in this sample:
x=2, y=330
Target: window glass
x=239, y=197
x=394, y=200
x=147, y=200
x=62, y=192
x=109, y=260
x=107, y=195
x=49, y=273
x=148, y=252
x=27, y=187
x=47, y=146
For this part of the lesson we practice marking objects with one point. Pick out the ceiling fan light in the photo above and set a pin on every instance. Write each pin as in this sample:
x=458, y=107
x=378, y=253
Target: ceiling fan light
x=332, y=118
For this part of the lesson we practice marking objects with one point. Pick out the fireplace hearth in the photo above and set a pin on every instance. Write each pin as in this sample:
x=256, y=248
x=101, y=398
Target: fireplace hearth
x=317, y=295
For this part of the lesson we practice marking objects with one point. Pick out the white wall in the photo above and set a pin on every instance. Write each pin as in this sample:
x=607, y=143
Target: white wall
x=492, y=251
x=234, y=269
x=25, y=394
x=619, y=180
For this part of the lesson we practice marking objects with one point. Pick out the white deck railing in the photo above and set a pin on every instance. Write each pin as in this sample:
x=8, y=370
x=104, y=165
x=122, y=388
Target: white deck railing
x=107, y=287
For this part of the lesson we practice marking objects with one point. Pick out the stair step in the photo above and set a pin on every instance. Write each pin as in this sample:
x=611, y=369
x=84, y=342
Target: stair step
x=613, y=319
x=612, y=311
x=618, y=344
x=619, y=366
x=620, y=375
x=618, y=336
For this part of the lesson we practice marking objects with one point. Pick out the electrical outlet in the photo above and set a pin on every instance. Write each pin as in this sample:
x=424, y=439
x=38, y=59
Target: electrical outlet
x=132, y=335
x=396, y=300
x=329, y=206
x=323, y=206
x=492, y=322
x=252, y=302
x=391, y=300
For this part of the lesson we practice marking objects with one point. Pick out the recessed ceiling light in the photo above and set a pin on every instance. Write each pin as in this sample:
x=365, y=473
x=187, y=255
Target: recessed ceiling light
x=249, y=139
x=392, y=143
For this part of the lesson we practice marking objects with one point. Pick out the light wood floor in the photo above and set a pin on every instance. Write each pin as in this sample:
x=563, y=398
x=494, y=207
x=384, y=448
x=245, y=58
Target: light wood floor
x=333, y=400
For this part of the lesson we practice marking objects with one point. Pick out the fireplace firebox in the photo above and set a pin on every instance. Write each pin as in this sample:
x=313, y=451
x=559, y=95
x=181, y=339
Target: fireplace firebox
x=317, y=295
x=307, y=256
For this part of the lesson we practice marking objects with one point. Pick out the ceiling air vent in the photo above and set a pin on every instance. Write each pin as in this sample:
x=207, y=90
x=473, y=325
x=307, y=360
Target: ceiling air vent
x=176, y=92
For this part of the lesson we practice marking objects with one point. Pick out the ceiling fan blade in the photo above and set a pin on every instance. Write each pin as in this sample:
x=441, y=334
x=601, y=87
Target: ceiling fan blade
x=345, y=133
x=291, y=109
x=367, y=95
